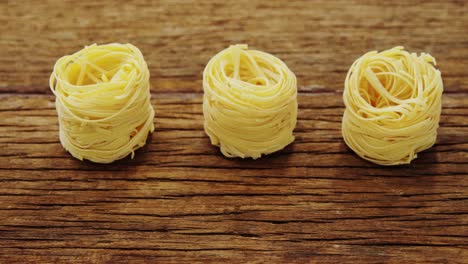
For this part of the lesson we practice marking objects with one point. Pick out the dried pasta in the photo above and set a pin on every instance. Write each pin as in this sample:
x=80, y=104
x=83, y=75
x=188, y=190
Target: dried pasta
x=103, y=102
x=249, y=103
x=393, y=105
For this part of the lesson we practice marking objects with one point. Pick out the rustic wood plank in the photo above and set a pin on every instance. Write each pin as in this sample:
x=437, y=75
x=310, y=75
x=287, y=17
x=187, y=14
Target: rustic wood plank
x=318, y=39
x=313, y=201
x=179, y=200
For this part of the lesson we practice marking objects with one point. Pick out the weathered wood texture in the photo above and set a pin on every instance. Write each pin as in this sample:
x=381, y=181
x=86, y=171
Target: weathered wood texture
x=179, y=200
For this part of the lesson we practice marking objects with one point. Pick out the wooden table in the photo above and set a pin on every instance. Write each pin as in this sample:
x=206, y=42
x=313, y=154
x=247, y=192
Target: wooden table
x=180, y=200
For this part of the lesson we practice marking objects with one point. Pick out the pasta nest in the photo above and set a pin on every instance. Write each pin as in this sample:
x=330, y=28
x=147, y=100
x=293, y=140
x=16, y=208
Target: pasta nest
x=393, y=105
x=249, y=103
x=103, y=102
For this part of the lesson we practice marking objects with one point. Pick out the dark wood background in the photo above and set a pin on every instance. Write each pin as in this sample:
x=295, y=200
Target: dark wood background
x=180, y=200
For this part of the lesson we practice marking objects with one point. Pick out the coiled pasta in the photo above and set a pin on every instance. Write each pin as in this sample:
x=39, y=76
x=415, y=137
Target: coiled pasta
x=393, y=105
x=249, y=103
x=103, y=102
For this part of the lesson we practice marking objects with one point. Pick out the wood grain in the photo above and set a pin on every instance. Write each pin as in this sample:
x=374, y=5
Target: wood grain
x=180, y=200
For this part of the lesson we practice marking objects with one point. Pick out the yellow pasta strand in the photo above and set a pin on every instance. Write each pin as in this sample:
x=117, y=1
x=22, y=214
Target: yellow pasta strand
x=393, y=105
x=103, y=102
x=249, y=103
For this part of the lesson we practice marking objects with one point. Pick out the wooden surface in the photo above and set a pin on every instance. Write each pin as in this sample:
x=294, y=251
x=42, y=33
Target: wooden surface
x=179, y=200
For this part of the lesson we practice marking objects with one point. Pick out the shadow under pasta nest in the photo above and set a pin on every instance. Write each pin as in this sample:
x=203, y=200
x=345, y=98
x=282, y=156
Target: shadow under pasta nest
x=278, y=160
